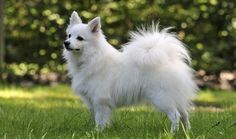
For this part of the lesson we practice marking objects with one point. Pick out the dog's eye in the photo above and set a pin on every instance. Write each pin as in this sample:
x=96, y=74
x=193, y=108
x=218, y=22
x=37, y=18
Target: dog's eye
x=69, y=35
x=80, y=38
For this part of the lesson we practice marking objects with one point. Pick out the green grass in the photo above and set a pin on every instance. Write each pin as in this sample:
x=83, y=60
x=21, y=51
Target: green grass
x=45, y=112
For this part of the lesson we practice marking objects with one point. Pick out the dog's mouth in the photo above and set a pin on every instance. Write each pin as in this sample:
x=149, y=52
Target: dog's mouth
x=70, y=49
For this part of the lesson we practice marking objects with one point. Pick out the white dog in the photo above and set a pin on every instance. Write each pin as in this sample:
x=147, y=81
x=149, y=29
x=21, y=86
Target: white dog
x=153, y=66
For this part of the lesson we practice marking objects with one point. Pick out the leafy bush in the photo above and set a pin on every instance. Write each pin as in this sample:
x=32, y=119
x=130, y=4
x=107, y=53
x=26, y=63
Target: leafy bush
x=35, y=29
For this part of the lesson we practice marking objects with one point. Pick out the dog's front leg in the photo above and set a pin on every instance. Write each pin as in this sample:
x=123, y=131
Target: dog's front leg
x=89, y=104
x=91, y=110
x=103, y=110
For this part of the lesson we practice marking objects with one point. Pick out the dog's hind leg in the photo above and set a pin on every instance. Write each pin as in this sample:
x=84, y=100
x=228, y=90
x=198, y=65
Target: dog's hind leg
x=185, y=118
x=173, y=116
x=166, y=105
x=103, y=110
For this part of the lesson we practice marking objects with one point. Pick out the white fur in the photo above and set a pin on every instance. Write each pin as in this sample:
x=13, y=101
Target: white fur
x=152, y=67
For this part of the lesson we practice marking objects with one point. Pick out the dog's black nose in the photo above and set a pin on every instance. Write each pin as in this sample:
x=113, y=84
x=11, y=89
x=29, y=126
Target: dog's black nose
x=66, y=43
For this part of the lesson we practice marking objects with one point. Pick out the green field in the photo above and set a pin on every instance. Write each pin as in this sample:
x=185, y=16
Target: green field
x=53, y=112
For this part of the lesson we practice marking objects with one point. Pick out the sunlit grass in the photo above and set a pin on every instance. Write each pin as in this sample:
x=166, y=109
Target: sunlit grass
x=219, y=99
x=40, y=96
x=54, y=112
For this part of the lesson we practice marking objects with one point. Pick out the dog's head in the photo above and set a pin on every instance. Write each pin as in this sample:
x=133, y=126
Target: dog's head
x=80, y=35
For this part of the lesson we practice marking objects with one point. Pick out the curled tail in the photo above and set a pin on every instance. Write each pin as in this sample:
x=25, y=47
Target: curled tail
x=154, y=46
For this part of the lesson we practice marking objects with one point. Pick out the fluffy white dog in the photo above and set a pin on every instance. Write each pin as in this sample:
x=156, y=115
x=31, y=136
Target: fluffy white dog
x=153, y=66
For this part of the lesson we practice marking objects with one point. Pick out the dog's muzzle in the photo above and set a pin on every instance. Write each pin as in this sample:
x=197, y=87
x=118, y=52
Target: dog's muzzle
x=67, y=46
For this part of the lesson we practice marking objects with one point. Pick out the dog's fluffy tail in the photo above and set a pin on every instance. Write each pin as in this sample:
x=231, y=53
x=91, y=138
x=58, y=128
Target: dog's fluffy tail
x=154, y=46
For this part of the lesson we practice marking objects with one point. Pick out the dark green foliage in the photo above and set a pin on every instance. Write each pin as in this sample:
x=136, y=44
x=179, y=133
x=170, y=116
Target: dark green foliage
x=35, y=29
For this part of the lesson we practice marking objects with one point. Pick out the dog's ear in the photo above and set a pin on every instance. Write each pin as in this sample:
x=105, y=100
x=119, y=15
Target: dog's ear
x=95, y=25
x=75, y=19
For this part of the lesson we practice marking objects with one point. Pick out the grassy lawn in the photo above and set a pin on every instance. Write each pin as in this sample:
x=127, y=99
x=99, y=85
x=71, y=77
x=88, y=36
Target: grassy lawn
x=45, y=112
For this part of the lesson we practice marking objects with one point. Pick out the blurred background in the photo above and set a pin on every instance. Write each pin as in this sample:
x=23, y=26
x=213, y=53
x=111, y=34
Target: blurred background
x=32, y=33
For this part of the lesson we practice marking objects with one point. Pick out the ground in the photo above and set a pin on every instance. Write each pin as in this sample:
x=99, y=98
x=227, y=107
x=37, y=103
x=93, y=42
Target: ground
x=53, y=112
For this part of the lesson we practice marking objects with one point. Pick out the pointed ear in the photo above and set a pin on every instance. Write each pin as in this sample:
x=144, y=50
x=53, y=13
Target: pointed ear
x=95, y=25
x=75, y=19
